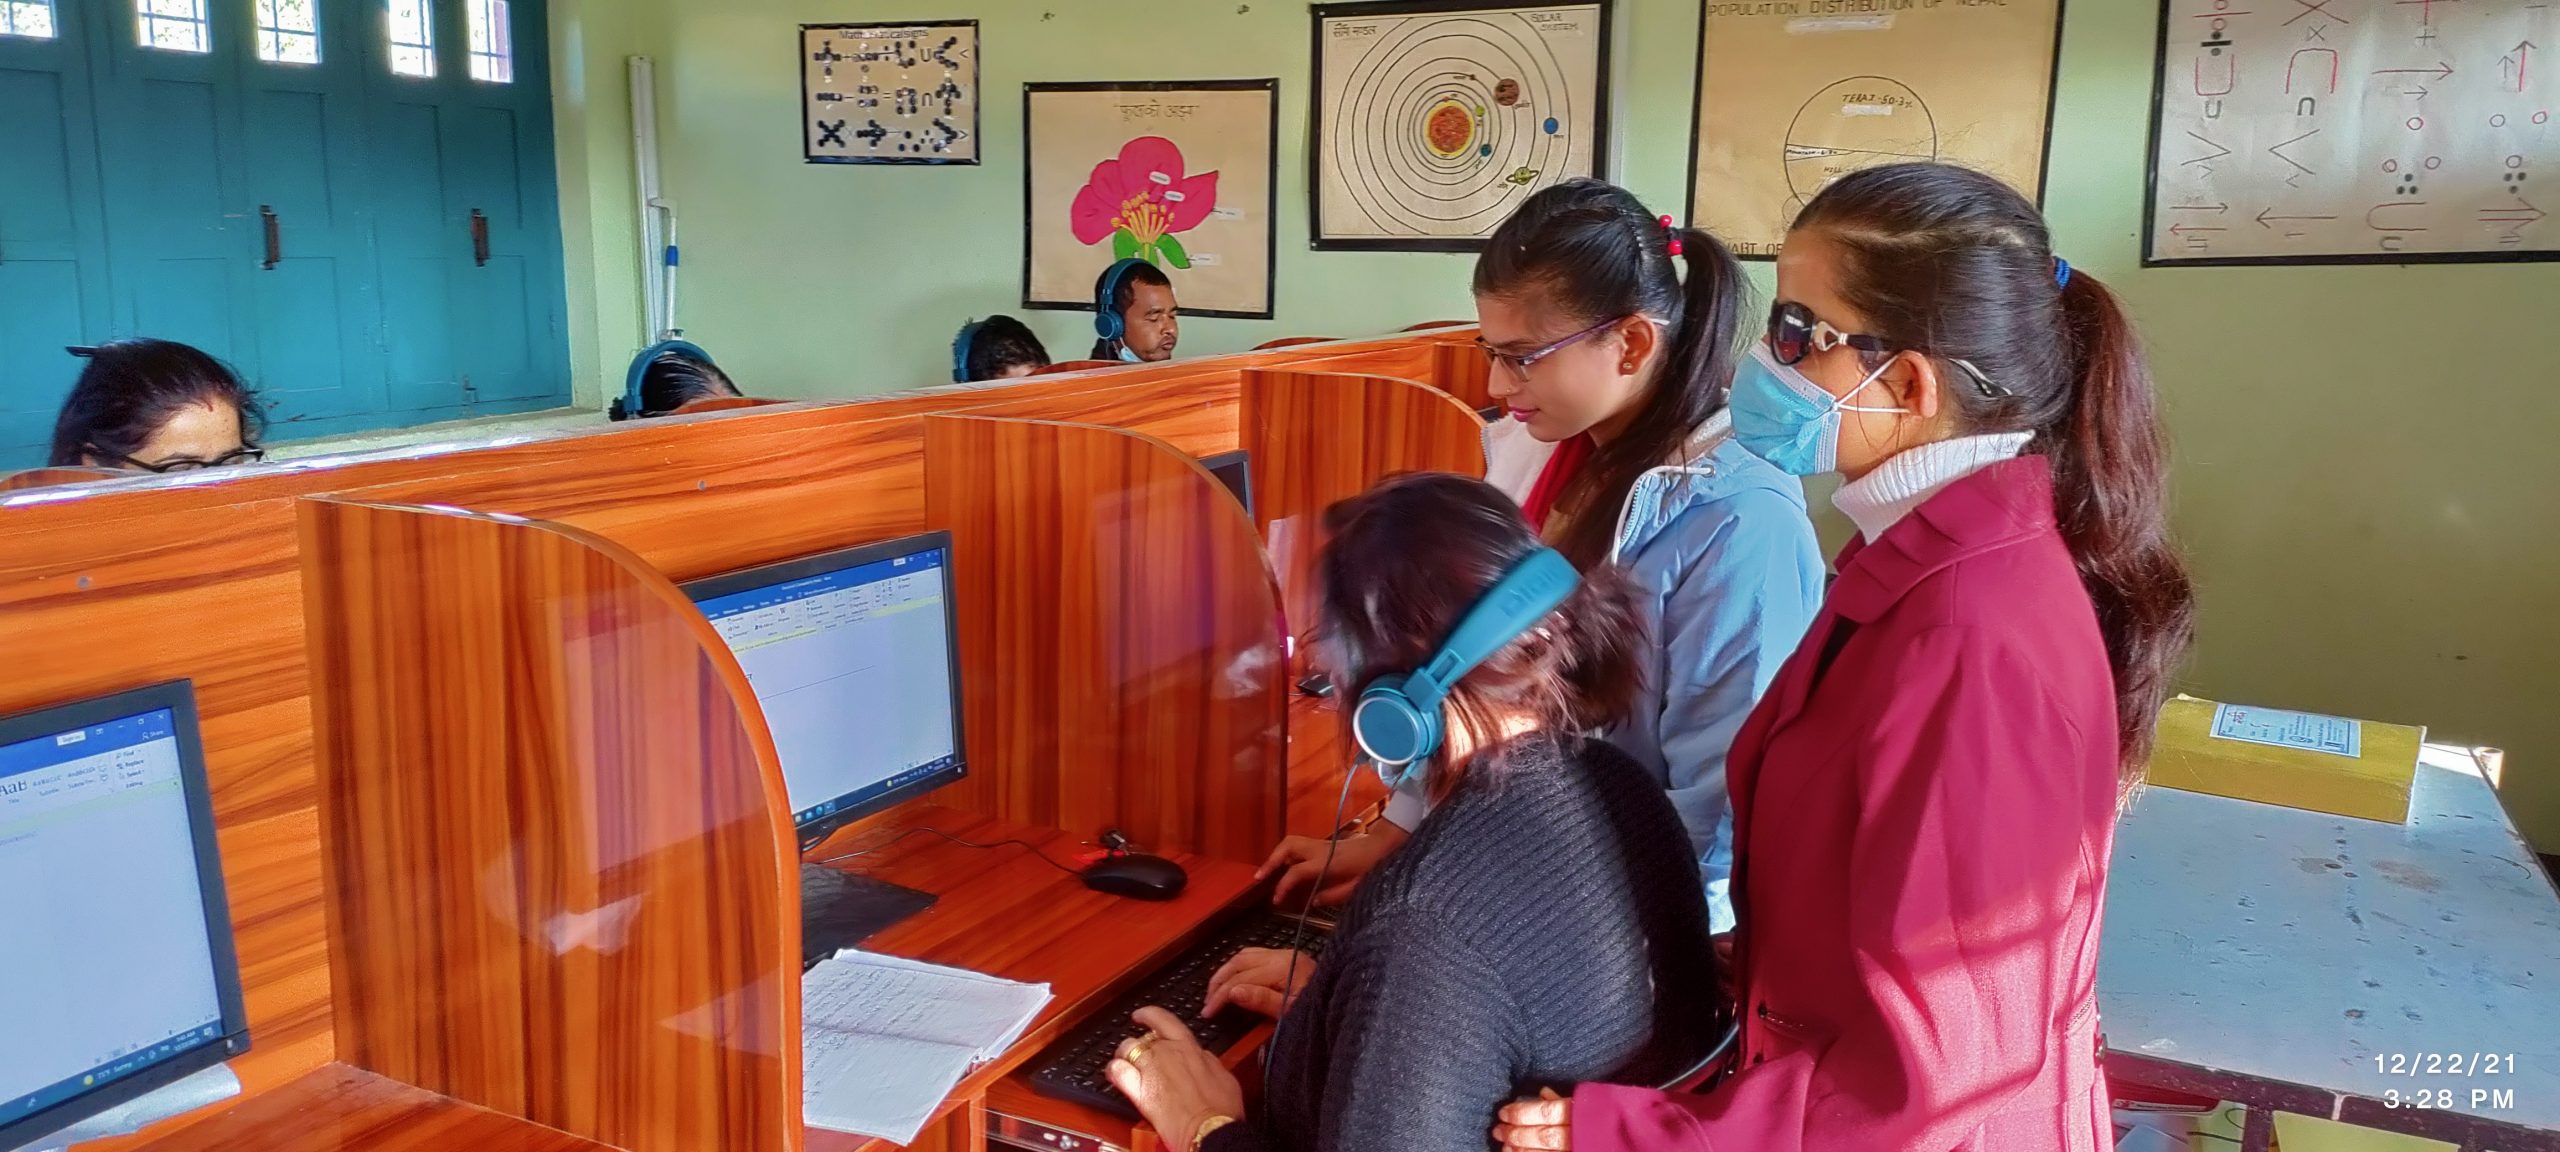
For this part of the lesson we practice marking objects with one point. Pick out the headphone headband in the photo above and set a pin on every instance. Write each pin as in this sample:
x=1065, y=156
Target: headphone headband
x=1397, y=722
x=629, y=408
x=961, y=346
x=1107, y=321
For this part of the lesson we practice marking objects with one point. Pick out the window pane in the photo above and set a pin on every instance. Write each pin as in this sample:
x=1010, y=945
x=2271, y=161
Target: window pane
x=413, y=38
x=173, y=25
x=27, y=18
x=493, y=50
x=289, y=31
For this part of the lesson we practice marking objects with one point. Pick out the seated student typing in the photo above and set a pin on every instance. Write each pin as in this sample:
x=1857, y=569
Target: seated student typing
x=1545, y=920
x=669, y=375
x=156, y=406
x=1134, y=313
x=996, y=348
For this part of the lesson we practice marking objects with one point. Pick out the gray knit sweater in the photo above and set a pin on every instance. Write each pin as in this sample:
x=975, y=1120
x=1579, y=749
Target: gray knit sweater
x=1544, y=926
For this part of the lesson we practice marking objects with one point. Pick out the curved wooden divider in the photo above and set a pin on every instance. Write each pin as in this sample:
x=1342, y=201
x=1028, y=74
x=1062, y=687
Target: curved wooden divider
x=542, y=778
x=1123, y=592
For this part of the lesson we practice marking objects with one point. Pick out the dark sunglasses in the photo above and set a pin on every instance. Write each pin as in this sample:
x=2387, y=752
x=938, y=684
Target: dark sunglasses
x=188, y=463
x=1795, y=333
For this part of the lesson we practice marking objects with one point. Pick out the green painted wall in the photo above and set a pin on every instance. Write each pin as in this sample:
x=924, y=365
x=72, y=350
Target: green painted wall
x=2363, y=481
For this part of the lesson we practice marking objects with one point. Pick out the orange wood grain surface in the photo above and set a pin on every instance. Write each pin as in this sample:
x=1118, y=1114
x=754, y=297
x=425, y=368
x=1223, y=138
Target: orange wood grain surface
x=157, y=578
x=1064, y=366
x=1317, y=438
x=1005, y=913
x=720, y=404
x=337, y=1108
x=1292, y=342
x=54, y=477
x=558, y=859
x=1125, y=598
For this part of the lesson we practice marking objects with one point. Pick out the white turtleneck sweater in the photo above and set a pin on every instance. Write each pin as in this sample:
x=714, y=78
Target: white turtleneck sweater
x=1880, y=499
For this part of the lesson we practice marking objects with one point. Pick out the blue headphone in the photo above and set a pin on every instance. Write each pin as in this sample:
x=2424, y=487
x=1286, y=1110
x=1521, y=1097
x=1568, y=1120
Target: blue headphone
x=961, y=346
x=1107, y=321
x=1397, y=721
x=629, y=407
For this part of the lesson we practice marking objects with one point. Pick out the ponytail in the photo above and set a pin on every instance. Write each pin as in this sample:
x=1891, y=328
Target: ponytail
x=1958, y=266
x=2110, y=479
x=1593, y=253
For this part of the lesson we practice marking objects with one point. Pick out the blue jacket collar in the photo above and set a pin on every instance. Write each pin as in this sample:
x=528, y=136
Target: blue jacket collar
x=1709, y=466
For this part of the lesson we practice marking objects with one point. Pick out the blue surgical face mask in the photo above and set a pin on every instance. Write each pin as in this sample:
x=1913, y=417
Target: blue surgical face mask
x=1788, y=420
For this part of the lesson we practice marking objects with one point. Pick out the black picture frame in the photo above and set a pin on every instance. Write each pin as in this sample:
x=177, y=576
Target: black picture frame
x=1271, y=209
x=2044, y=146
x=977, y=102
x=1319, y=13
x=2151, y=204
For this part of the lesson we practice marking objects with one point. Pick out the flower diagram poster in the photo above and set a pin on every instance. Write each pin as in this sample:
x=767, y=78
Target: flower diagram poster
x=1434, y=119
x=1794, y=94
x=1179, y=174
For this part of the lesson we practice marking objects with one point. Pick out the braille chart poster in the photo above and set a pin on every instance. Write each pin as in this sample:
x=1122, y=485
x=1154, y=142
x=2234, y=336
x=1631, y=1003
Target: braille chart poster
x=1434, y=120
x=2338, y=131
x=1794, y=94
x=890, y=93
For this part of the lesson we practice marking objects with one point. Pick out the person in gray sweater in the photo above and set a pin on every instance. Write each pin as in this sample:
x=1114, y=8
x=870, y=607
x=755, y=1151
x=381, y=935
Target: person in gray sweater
x=1544, y=925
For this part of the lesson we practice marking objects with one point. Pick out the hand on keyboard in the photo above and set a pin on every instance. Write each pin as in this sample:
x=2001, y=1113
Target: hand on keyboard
x=1259, y=980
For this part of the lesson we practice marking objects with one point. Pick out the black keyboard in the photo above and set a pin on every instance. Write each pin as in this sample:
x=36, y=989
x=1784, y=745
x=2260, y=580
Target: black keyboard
x=1072, y=1068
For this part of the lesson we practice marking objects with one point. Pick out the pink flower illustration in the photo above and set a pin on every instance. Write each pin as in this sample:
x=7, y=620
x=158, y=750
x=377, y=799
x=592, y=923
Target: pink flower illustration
x=1139, y=199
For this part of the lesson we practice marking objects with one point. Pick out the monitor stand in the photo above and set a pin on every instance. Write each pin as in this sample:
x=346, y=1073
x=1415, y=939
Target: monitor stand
x=839, y=909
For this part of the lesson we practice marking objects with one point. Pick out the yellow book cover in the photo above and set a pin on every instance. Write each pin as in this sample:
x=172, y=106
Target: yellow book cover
x=2332, y=764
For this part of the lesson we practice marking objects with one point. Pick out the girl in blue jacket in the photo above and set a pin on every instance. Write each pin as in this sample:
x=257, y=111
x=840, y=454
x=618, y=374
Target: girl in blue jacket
x=1619, y=450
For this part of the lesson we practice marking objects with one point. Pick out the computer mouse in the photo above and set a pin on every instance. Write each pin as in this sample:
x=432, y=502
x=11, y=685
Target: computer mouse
x=1137, y=877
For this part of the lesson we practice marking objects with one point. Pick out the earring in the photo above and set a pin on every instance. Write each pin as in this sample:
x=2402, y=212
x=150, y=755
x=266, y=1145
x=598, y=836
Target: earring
x=1627, y=366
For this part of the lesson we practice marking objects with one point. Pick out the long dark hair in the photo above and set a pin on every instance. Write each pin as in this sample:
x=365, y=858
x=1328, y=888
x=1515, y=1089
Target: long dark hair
x=1954, y=264
x=1404, y=560
x=1591, y=251
x=131, y=388
x=1124, y=294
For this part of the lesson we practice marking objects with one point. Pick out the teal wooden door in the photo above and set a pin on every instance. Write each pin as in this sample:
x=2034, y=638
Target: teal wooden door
x=53, y=259
x=312, y=302
x=472, y=276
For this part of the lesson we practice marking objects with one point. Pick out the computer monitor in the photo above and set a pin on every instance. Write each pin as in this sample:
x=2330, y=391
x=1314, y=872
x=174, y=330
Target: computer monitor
x=116, y=968
x=1233, y=470
x=852, y=657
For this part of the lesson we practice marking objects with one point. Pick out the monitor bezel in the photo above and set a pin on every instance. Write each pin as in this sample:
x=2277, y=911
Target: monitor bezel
x=837, y=560
x=177, y=697
x=1242, y=461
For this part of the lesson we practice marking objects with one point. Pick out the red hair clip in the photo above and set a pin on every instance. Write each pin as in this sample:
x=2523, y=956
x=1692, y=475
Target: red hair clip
x=1675, y=235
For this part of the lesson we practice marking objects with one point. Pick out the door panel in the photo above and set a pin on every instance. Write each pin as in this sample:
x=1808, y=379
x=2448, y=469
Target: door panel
x=416, y=241
x=53, y=281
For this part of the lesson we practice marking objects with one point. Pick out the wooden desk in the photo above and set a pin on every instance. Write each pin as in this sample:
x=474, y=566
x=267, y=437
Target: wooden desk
x=1005, y=913
x=2267, y=955
x=337, y=1108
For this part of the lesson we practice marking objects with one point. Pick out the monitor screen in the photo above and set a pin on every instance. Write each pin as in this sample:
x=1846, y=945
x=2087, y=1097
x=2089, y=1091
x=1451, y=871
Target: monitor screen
x=1233, y=470
x=116, y=968
x=852, y=658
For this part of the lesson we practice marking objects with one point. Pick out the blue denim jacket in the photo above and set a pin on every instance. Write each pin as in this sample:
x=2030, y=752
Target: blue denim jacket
x=1720, y=543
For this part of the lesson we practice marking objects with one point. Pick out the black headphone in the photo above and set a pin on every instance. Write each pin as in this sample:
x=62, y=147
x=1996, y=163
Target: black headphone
x=961, y=346
x=630, y=406
x=1107, y=321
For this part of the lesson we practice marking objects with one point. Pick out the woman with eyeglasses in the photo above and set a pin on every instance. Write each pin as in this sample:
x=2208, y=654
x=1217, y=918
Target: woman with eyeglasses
x=156, y=406
x=1925, y=801
x=1614, y=371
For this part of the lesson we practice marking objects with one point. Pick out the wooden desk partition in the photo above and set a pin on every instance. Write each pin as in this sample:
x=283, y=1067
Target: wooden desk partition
x=1121, y=592
x=54, y=477
x=1316, y=438
x=561, y=878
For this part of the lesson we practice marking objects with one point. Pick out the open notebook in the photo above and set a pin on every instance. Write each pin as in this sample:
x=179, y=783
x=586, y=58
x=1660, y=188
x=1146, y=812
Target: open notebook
x=884, y=1039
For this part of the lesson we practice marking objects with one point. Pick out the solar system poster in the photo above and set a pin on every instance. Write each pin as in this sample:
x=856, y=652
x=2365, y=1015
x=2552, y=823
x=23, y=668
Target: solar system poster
x=1794, y=94
x=1433, y=119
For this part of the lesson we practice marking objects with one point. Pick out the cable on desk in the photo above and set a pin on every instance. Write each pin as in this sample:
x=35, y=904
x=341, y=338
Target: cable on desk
x=903, y=836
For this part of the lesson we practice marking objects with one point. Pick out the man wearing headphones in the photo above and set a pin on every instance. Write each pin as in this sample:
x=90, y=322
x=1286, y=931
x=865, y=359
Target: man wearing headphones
x=1134, y=313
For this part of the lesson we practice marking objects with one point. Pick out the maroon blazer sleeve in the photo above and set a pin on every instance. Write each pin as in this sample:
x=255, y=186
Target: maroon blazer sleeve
x=1967, y=863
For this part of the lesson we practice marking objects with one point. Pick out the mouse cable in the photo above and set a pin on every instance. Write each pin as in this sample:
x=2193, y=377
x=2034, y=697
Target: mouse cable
x=903, y=836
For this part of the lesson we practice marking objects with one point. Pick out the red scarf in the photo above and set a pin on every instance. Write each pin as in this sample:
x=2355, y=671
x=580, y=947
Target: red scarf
x=1558, y=475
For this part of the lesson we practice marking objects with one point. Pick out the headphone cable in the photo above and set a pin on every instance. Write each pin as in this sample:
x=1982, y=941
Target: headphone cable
x=1298, y=934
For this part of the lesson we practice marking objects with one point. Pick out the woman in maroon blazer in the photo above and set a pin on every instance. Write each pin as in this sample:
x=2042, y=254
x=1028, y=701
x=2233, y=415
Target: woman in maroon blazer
x=1924, y=800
